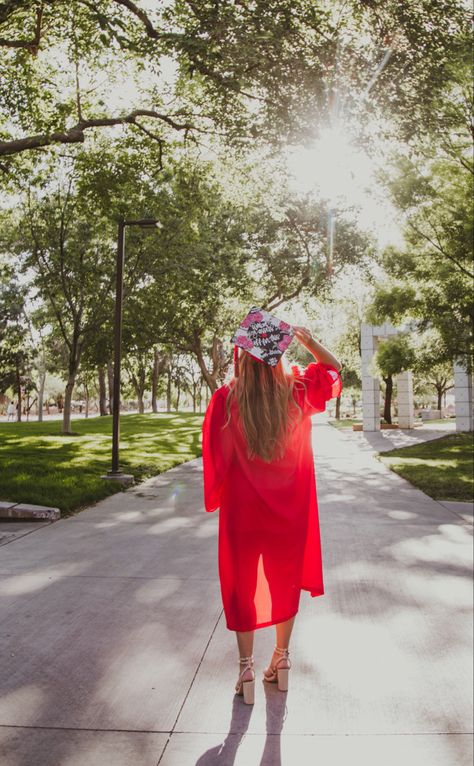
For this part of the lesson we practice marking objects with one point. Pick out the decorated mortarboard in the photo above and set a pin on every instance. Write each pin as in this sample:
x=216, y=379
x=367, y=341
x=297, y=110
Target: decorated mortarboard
x=263, y=336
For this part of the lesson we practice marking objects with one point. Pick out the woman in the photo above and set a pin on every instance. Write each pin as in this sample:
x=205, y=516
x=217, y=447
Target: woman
x=259, y=471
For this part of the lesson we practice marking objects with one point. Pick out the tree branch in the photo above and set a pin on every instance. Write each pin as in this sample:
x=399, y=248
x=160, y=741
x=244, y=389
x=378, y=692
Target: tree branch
x=439, y=248
x=30, y=45
x=75, y=135
x=140, y=14
x=62, y=252
x=288, y=297
x=196, y=347
x=270, y=305
x=155, y=138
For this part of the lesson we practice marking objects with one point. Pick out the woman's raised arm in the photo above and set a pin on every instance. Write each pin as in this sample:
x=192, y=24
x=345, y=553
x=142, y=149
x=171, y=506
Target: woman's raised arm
x=320, y=353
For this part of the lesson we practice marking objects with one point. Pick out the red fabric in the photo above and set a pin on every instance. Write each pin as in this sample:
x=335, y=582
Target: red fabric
x=269, y=545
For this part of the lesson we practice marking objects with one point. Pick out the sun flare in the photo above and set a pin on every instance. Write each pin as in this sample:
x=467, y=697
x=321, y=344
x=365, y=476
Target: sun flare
x=333, y=166
x=343, y=175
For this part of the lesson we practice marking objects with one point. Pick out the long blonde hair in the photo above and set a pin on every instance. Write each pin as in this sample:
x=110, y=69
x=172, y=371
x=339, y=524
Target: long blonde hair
x=266, y=406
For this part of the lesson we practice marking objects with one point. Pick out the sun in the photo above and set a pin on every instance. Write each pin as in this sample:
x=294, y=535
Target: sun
x=332, y=165
x=345, y=177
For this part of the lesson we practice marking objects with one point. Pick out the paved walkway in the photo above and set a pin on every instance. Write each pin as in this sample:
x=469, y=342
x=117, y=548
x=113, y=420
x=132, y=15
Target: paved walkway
x=114, y=649
x=387, y=439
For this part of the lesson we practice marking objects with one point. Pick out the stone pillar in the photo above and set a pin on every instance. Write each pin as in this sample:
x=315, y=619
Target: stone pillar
x=463, y=396
x=406, y=418
x=370, y=385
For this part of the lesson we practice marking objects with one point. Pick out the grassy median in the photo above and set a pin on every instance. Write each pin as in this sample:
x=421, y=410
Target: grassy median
x=40, y=465
x=442, y=468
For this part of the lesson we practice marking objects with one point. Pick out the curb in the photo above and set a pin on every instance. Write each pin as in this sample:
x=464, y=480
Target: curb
x=28, y=512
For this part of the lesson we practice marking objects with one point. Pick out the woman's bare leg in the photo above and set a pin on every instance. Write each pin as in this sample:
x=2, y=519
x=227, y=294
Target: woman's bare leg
x=245, y=645
x=245, y=642
x=283, y=635
x=283, y=632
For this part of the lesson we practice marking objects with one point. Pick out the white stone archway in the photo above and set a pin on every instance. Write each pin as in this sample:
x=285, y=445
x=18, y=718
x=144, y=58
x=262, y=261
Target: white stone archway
x=371, y=335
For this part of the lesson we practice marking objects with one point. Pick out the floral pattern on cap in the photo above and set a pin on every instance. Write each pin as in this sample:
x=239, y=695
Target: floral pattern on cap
x=263, y=335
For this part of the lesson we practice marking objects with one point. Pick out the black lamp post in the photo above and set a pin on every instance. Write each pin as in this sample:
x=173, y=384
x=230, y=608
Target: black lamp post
x=115, y=473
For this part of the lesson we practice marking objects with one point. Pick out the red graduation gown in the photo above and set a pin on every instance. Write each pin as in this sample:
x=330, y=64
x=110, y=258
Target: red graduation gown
x=269, y=546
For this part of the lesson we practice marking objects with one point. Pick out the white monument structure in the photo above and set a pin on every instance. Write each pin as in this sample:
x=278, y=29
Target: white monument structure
x=463, y=397
x=371, y=335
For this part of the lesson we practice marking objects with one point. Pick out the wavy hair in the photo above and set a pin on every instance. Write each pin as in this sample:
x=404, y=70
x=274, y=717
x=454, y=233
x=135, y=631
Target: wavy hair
x=266, y=406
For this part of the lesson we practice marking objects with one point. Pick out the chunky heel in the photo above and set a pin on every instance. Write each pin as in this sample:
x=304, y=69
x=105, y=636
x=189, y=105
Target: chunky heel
x=246, y=688
x=249, y=692
x=275, y=674
x=283, y=676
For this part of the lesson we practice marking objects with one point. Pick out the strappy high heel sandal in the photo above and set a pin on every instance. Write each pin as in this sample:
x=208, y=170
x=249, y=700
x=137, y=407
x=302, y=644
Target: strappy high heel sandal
x=279, y=675
x=247, y=688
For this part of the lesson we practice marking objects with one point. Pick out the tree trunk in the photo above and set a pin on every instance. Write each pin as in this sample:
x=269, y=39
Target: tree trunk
x=74, y=361
x=110, y=379
x=439, y=391
x=42, y=380
x=102, y=390
x=387, y=410
x=67, y=403
x=18, y=390
x=86, y=389
x=210, y=378
x=178, y=397
x=139, y=391
x=168, y=393
x=154, y=381
x=338, y=408
x=194, y=395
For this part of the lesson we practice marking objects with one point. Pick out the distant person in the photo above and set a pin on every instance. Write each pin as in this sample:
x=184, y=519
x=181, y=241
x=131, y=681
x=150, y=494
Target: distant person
x=259, y=472
x=11, y=412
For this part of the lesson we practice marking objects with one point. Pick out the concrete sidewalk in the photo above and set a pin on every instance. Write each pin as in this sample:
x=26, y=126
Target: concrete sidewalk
x=114, y=649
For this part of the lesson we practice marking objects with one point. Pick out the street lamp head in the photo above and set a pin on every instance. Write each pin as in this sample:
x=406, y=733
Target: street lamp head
x=149, y=223
x=144, y=223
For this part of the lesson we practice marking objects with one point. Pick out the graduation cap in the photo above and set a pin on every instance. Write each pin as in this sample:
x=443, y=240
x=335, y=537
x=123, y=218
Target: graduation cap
x=263, y=336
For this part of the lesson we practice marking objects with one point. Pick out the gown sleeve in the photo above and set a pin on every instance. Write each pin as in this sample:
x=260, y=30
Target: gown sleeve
x=217, y=450
x=322, y=382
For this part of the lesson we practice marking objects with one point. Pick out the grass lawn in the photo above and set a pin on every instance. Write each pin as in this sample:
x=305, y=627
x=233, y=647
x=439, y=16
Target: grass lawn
x=343, y=422
x=442, y=468
x=436, y=420
x=39, y=465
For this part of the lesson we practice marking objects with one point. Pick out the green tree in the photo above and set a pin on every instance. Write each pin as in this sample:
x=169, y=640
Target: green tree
x=97, y=355
x=431, y=182
x=246, y=69
x=393, y=356
x=433, y=364
x=288, y=242
x=16, y=349
x=44, y=362
x=72, y=267
x=430, y=279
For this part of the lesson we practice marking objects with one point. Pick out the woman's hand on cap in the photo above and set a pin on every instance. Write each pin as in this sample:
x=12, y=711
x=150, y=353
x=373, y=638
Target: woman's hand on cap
x=302, y=334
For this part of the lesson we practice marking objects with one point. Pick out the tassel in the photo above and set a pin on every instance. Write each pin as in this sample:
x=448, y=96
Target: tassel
x=236, y=361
